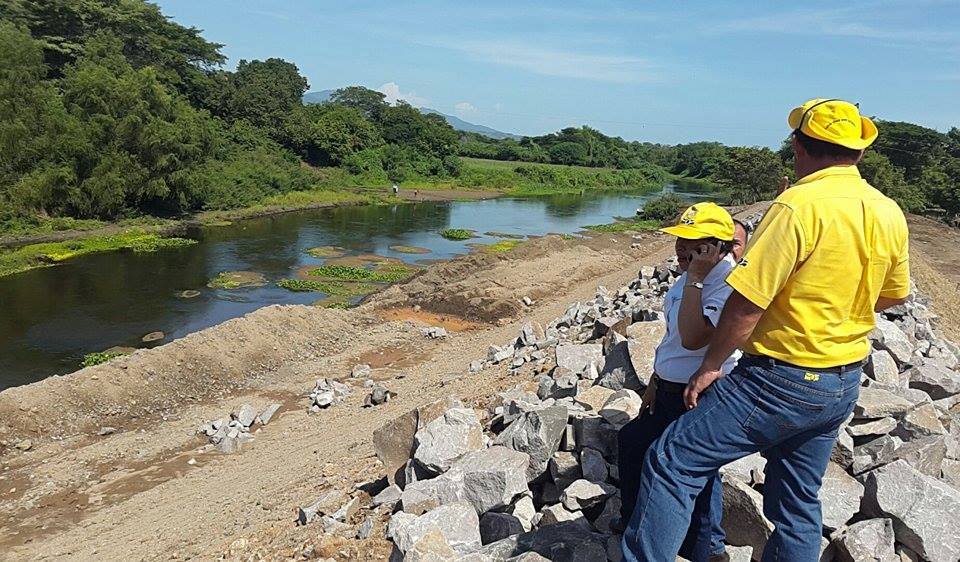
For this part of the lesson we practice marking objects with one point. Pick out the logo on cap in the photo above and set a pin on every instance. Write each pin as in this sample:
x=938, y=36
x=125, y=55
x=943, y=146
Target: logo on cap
x=689, y=216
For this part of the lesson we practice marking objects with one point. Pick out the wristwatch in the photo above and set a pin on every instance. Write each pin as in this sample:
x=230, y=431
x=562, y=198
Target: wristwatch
x=695, y=284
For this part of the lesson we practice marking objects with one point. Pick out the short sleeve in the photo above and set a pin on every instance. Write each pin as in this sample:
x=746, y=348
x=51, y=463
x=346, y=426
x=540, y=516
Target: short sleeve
x=713, y=303
x=897, y=283
x=772, y=256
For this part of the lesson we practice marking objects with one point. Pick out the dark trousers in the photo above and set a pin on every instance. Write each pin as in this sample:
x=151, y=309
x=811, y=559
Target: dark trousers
x=705, y=535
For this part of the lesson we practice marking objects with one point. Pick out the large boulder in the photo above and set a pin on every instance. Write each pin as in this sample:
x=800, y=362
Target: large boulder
x=866, y=540
x=496, y=526
x=447, y=438
x=582, y=494
x=621, y=408
x=922, y=508
x=643, y=338
x=422, y=496
x=743, y=519
x=593, y=398
x=840, y=496
x=537, y=434
x=885, y=368
x=935, y=379
x=394, y=441
x=457, y=523
x=577, y=357
x=560, y=542
x=875, y=403
x=491, y=478
x=891, y=338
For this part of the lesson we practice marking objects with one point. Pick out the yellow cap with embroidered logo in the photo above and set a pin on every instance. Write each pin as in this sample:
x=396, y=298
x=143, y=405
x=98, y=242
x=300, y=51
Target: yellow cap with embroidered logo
x=834, y=121
x=703, y=220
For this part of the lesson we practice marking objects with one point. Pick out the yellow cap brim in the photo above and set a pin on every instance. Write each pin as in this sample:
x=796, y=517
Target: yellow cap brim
x=868, y=131
x=685, y=231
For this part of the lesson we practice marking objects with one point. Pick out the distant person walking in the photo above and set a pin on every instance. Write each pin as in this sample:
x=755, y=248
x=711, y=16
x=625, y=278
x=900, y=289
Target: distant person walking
x=396, y=189
x=831, y=251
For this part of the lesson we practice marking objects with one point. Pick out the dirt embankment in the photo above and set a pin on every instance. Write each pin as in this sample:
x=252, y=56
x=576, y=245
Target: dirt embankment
x=148, y=493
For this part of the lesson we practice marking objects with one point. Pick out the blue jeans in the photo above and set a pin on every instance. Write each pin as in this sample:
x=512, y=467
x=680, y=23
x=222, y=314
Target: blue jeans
x=704, y=536
x=791, y=414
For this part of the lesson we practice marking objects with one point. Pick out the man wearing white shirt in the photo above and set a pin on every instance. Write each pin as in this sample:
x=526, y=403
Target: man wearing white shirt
x=705, y=253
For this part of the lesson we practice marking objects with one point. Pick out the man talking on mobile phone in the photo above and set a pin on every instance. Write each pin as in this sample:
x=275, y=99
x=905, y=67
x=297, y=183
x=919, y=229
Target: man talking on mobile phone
x=830, y=252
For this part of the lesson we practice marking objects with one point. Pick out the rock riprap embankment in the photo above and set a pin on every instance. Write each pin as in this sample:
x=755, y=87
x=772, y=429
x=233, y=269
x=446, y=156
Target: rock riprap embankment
x=533, y=475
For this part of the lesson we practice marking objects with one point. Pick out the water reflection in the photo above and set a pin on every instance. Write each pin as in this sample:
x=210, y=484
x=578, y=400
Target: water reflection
x=50, y=318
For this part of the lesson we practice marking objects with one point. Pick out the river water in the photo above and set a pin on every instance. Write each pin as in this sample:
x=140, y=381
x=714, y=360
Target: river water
x=51, y=317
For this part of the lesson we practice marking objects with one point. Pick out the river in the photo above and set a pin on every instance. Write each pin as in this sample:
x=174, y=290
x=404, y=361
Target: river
x=52, y=317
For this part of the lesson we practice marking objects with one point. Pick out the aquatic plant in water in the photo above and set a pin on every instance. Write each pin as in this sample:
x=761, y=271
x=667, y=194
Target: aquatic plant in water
x=456, y=234
x=386, y=273
x=410, y=249
x=237, y=280
x=326, y=251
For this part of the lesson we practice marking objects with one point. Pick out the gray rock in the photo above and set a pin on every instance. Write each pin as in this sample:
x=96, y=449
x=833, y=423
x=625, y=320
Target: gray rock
x=582, y=494
x=346, y=511
x=611, y=513
x=431, y=547
x=922, y=508
x=524, y=510
x=528, y=557
x=592, y=465
x=229, y=444
x=559, y=542
x=497, y=526
x=421, y=496
x=743, y=519
x=597, y=433
x=378, y=395
x=245, y=414
x=839, y=496
x=491, y=478
x=892, y=339
x=950, y=472
x=366, y=528
x=621, y=408
x=106, y=430
x=538, y=434
x=326, y=504
x=866, y=540
x=434, y=332
x=553, y=514
x=594, y=397
x=531, y=333
x=576, y=357
x=875, y=453
x=935, y=379
x=922, y=420
x=875, y=403
x=885, y=368
x=267, y=414
x=878, y=427
x=360, y=372
x=444, y=440
x=564, y=468
x=748, y=469
x=842, y=453
x=740, y=553
x=457, y=523
x=389, y=496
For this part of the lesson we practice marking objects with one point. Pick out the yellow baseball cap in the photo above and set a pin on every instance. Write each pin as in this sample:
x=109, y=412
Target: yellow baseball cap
x=834, y=121
x=703, y=220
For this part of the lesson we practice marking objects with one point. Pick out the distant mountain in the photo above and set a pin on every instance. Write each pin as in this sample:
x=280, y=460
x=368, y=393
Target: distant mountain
x=461, y=125
x=323, y=96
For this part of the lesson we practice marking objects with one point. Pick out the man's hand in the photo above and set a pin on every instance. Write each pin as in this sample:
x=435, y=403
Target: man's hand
x=702, y=261
x=699, y=382
x=783, y=185
x=649, y=396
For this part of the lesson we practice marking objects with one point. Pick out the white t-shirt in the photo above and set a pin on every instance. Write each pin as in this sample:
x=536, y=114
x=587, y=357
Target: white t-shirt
x=673, y=362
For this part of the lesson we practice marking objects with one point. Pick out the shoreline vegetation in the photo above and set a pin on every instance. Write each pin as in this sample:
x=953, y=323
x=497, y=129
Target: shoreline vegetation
x=53, y=240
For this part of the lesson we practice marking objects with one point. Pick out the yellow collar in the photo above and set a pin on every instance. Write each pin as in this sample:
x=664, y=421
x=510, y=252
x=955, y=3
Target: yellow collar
x=830, y=171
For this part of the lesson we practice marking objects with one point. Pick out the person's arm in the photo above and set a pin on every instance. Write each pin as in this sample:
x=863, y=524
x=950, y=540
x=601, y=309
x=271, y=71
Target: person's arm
x=772, y=256
x=739, y=318
x=695, y=329
x=884, y=303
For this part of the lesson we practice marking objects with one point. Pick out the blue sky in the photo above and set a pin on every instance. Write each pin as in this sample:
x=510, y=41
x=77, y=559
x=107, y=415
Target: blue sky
x=655, y=71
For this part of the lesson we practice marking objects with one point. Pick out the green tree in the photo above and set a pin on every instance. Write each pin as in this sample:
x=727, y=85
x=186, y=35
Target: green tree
x=263, y=93
x=370, y=102
x=910, y=147
x=149, y=38
x=327, y=134
x=749, y=174
x=883, y=175
x=568, y=153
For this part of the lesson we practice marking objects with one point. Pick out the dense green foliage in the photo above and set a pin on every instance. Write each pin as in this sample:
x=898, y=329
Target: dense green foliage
x=633, y=225
x=111, y=111
x=663, y=208
x=91, y=359
x=456, y=234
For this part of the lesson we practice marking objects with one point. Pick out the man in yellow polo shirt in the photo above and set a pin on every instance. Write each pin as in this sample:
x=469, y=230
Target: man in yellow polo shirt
x=831, y=251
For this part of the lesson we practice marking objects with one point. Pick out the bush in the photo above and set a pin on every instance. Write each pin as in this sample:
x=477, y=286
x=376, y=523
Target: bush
x=456, y=234
x=663, y=208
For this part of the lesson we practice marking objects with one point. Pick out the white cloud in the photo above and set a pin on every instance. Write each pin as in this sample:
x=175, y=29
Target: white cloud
x=393, y=94
x=554, y=62
x=465, y=108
